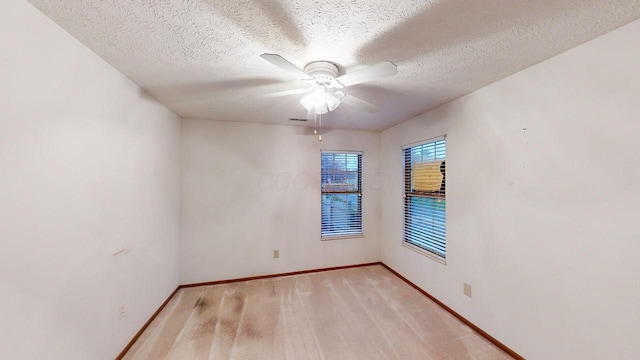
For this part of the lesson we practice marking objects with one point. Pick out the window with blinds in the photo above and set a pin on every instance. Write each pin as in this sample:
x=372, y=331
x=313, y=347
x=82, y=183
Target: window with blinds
x=341, y=194
x=425, y=197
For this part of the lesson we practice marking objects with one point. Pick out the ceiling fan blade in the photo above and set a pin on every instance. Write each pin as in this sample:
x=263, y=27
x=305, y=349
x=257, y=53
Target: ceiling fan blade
x=281, y=93
x=258, y=91
x=285, y=65
x=373, y=72
x=360, y=104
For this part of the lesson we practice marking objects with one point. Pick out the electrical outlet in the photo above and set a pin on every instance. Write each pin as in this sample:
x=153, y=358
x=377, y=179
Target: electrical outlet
x=276, y=254
x=123, y=311
x=467, y=289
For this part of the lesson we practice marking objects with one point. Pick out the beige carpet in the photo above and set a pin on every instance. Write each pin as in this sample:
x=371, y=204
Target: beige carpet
x=360, y=313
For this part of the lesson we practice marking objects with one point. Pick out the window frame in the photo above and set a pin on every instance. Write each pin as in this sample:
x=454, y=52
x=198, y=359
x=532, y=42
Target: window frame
x=407, y=194
x=358, y=192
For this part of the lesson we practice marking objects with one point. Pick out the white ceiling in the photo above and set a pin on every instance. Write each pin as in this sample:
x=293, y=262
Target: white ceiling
x=199, y=57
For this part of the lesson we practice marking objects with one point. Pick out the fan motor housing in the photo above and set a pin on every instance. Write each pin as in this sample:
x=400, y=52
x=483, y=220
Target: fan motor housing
x=322, y=71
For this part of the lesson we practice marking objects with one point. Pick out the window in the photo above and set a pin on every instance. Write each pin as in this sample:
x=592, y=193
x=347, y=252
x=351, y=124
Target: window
x=341, y=194
x=424, y=197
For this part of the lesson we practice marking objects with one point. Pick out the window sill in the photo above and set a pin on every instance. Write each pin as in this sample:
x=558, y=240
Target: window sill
x=342, y=237
x=426, y=253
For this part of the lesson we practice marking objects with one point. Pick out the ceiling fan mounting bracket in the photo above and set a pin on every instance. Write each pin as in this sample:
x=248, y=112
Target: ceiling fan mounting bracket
x=323, y=72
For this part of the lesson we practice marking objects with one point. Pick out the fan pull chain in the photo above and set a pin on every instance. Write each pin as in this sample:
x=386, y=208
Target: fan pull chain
x=315, y=123
x=320, y=135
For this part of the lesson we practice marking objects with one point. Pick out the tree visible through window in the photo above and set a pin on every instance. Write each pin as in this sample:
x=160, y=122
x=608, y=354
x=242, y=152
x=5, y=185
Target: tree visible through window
x=341, y=194
x=424, y=197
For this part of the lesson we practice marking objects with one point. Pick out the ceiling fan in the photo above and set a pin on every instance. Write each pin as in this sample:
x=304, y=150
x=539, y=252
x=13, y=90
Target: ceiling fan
x=323, y=87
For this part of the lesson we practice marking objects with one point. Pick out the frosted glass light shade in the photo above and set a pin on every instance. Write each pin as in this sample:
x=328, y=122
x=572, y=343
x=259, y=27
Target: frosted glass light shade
x=320, y=101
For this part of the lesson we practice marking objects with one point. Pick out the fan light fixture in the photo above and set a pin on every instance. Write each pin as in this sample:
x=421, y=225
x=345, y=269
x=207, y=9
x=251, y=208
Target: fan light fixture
x=321, y=100
x=325, y=93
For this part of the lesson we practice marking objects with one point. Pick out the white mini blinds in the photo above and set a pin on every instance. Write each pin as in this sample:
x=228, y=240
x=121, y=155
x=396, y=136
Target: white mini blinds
x=341, y=194
x=425, y=197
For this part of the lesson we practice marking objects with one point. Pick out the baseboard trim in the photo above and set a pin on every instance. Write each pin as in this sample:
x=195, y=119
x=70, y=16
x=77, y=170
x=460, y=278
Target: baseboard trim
x=146, y=325
x=493, y=340
x=276, y=275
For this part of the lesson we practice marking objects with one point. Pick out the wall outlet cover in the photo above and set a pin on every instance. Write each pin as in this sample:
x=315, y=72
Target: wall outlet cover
x=467, y=289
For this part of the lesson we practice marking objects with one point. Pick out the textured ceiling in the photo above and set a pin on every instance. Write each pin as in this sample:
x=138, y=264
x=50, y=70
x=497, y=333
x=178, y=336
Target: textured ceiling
x=200, y=57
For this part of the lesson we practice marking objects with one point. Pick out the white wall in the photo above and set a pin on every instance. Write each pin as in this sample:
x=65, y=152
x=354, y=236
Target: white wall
x=543, y=171
x=248, y=189
x=88, y=167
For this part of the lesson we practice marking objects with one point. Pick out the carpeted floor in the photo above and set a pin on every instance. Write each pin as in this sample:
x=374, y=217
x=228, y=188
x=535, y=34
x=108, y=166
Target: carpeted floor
x=359, y=313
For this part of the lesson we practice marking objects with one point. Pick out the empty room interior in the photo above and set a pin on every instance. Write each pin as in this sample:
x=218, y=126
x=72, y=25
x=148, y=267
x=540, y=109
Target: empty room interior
x=305, y=179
